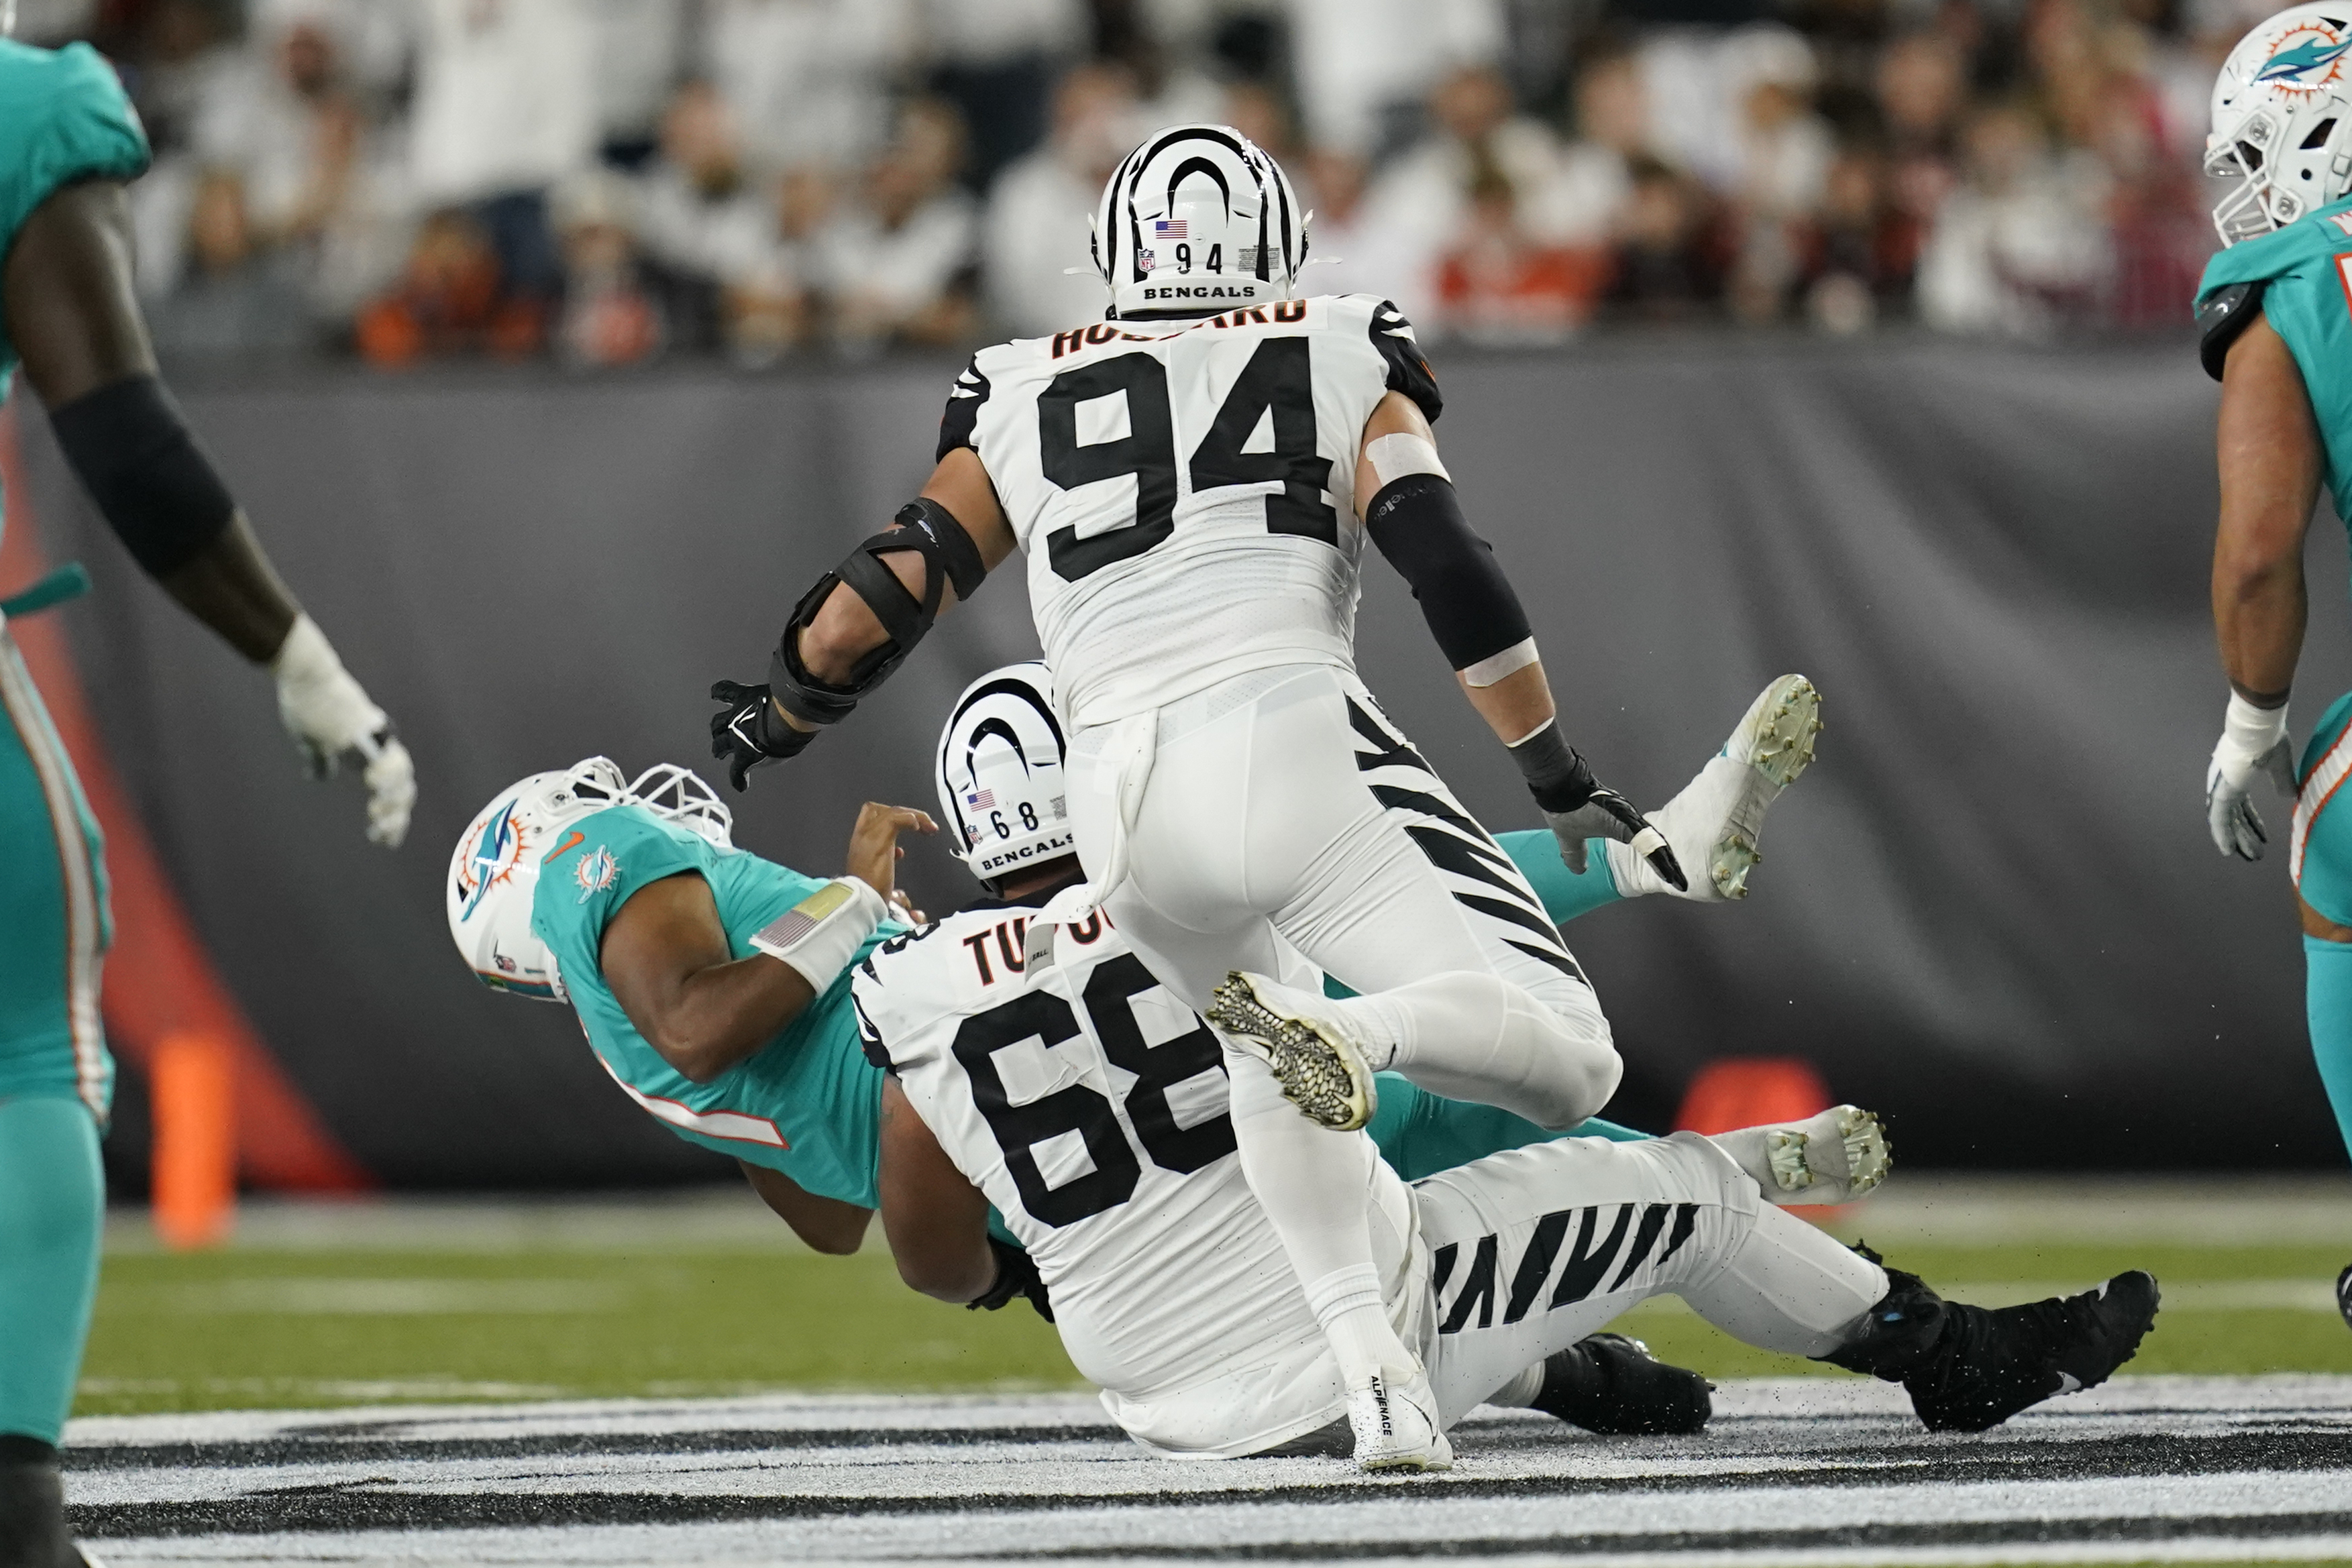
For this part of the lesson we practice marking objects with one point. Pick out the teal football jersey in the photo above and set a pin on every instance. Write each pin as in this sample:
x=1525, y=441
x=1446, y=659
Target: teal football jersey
x=807, y=1103
x=2306, y=271
x=63, y=117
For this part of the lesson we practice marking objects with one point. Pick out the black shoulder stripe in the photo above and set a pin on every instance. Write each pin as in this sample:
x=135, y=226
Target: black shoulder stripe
x=1408, y=373
x=970, y=390
x=2221, y=316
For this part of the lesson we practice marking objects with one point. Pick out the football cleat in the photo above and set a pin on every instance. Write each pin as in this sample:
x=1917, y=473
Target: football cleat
x=1713, y=824
x=1306, y=1041
x=1834, y=1157
x=2344, y=1294
x=1968, y=1369
x=1395, y=1424
x=1610, y=1383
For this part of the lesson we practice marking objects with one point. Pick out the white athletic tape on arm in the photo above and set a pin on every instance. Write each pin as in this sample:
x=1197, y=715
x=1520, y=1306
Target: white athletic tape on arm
x=820, y=935
x=1509, y=661
x=1394, y=457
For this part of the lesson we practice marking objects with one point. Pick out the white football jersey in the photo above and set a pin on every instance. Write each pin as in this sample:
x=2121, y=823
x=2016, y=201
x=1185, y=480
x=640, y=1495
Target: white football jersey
x=1185, y=490
x=1090, y=1105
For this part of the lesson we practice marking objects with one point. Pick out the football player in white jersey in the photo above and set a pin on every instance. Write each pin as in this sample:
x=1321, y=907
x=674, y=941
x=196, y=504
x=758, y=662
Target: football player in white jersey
x=1194, y=480
x=1093, y=1109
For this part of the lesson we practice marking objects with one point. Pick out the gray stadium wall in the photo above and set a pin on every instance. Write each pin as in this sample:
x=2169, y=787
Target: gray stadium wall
x=1991, y=911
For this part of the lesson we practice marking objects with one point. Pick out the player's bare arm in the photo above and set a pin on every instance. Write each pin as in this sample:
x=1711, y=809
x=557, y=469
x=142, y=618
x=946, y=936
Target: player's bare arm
x=667, y=958
x=934, y=1218
x=825, y=1225
x=74, y=317
x=1406, y=499
x=863, y=618
x=2270, y=461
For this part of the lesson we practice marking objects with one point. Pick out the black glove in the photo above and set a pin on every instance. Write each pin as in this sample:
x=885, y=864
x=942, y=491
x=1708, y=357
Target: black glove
x=748, y=732
x=1016, y=1275
x=1576, y=806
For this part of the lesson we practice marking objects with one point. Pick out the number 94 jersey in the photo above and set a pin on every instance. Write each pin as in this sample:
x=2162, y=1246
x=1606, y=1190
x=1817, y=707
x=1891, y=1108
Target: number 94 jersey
x=1090, y=1106
x=1185, y=490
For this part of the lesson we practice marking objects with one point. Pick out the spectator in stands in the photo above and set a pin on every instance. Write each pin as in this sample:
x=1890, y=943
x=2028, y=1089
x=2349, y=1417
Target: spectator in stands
x=895, y=262
x=996, y=60
x=1669, y=260
x=1498, y=285
x=1040, y=207
x=450, y=300
x=706, y=225
x=608, y=317
x=1863, y=248
x=808, y=80
x=2018, y=247
x=505, y=107
x=638, y=47
x=1480, y=150
x=1922, y=93
x=287, y=124
x=236, y=298
x=1785, y=152
x=1365, y=67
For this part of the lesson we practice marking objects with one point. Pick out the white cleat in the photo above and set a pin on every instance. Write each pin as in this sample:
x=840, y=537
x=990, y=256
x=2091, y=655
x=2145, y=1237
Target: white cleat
x=1395, y=1423
x=1315, y=1056
x=1834, y=1157
x=1715, y=823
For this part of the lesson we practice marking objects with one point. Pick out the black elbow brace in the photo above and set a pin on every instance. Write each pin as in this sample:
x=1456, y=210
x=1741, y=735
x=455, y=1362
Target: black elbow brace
x=152, y=484
x=1417, y=522
x=923, y=527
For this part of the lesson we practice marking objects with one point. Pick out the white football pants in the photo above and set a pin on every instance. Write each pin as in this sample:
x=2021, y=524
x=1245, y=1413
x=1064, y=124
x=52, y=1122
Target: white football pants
x=1535, y=1249
x=1281, y=807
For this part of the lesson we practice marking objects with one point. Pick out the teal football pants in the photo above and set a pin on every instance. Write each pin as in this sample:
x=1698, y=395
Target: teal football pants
x=52, y=1213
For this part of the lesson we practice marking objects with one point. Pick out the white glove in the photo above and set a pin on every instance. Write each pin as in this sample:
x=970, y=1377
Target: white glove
x=2253, y=741
x=328, y=716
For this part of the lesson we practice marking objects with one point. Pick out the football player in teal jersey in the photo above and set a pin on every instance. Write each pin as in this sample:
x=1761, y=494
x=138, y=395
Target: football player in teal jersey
x=2275, y=306
x=713, y=984
x=69, y=143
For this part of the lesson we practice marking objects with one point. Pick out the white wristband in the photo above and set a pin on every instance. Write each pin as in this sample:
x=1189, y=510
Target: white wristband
x=820, y=935
x=2254, y=731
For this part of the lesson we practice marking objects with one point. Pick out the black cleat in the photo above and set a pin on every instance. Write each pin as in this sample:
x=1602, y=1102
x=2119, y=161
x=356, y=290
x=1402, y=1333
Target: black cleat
x=32, y=1509
x=1612, y=1385
x=1968, y=1369
x=2344, y=1294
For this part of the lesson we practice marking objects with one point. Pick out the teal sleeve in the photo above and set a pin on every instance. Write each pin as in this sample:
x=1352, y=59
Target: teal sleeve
x=67, y=119
x=1420, y=1134
x=1565, y=895
x=592, y=869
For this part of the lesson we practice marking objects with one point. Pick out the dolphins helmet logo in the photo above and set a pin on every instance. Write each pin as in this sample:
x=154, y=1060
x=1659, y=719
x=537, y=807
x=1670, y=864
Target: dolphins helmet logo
x=2305, y=57
x=496, y=853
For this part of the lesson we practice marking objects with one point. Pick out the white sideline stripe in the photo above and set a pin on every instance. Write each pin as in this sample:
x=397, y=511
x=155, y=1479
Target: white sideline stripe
x=2311, y=798
x=733, y=1125
x=22, y=702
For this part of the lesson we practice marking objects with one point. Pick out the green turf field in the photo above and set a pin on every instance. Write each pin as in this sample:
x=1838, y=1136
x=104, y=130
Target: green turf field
x=317, y=1322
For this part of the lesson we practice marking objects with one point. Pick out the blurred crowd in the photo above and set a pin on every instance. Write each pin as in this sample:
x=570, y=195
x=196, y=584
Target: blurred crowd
x=605, y=182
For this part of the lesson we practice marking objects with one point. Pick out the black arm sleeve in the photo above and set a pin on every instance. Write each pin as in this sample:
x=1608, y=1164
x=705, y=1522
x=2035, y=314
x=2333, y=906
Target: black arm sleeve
x=152, y=484
x=2221, y=316
x=1471, y=608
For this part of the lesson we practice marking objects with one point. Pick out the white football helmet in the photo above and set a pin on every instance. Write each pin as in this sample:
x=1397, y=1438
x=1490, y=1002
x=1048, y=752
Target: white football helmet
x=1197, y=218
x=2282, y=121
x=1000, y=773
x=495, y=869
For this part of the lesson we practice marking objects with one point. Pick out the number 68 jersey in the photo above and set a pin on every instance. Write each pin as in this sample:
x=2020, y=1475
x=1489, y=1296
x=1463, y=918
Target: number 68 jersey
x=1090, y=1106
x=1185, y=490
